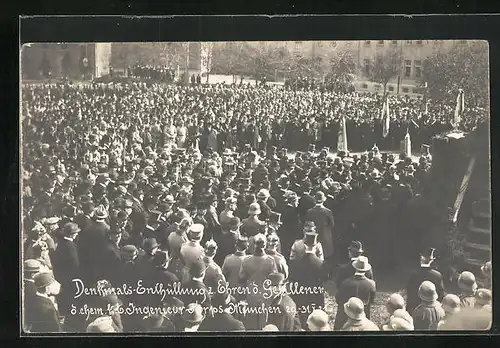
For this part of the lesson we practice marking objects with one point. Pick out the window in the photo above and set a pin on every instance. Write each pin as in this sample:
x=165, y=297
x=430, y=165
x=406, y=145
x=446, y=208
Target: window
x=405, y=90
x=368, y=43
x=419, y=42
x=391, y=88
x=348, y=43
x=64, y=46
x=364, y=86
x=407, y=68
x=394, y=42
x=417, y=91
x=380, y=43
x=408, y=42
x=418, y=68
x=462, y=42
x=333, y=43
x=298, y=45
x=367, y=66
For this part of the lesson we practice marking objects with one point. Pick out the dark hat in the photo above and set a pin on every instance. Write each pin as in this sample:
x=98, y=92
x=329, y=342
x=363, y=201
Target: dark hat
x=242, y=242
x=234, y=222
x=276, y=278
x=150, y=243
x=356, y=246
x=70, y=228
x=197, y=268
x=43, y=279
x=129, y=249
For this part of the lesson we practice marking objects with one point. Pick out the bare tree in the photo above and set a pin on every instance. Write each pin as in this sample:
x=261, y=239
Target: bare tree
x=384, y=67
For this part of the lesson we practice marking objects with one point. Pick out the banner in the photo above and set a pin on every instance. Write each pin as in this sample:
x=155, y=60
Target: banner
x=459, y=109
x=386, y=118
x=407, y=145
x=342, y=137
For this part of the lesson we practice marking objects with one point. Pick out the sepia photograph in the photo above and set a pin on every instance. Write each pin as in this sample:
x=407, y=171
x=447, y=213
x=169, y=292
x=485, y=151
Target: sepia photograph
x=251, y=186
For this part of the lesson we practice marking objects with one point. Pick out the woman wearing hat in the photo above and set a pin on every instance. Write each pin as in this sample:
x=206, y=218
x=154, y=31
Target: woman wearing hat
x=451, y=307
x=356, y=317
x=429, y=312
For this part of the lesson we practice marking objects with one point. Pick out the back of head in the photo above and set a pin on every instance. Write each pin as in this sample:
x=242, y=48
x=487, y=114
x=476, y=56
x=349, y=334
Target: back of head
x=468, y=319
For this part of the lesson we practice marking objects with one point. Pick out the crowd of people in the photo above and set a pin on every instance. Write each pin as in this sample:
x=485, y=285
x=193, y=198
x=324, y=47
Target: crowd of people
x=152, y=73
x=179, y=208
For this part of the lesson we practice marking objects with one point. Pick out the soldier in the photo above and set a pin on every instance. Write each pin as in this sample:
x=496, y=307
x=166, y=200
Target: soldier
x=252, y=225
x=307, y=271
x=213, y=276
x=232, y=263
x=227, y=239
x=356, y=317
x=358, y=286
x=424, y=273
x=286, y=318
x=192, y=250
x=272, y=249
x=195, y=289
x=255, y=269
x=265, y=210
x=468, y=287
x=429, y=312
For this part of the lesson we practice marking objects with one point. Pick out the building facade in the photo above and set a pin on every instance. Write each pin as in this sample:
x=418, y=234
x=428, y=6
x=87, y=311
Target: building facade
x=73, y=60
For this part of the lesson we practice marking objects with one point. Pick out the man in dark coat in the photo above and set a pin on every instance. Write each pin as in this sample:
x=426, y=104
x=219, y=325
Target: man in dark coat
x=31, y=267
x=323, y=220
x=42, y=315
x=306, y=201
x=307, y=272
x=85, y=219
x=109, y=258
x=221, y=321
x=425, y=272
x=195, y=290
x=66, y=264
x=285, y=317
x=290, y=230
x=90, y=239
x=357, y=286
